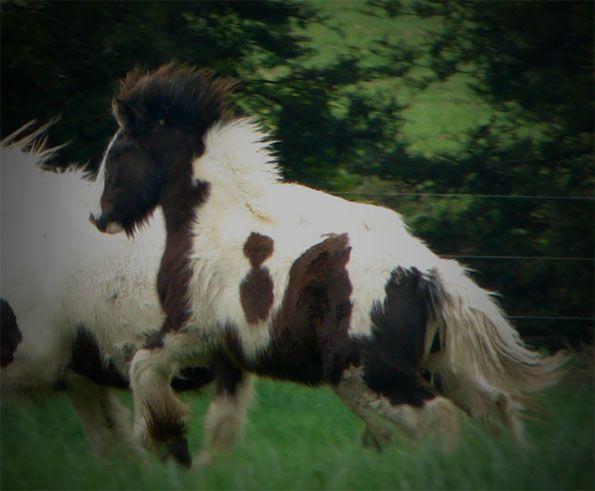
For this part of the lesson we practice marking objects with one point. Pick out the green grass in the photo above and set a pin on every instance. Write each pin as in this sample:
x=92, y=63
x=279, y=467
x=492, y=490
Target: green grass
x=300, y=438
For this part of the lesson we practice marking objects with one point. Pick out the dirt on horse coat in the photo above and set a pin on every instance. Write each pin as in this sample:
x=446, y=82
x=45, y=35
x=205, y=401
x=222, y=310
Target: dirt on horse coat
x=292, y=283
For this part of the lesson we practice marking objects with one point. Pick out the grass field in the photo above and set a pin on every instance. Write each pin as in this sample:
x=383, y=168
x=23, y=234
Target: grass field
x=300, y=438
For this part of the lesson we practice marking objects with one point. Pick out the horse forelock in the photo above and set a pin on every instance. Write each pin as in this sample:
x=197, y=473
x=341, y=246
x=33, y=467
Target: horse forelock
x=182, y=94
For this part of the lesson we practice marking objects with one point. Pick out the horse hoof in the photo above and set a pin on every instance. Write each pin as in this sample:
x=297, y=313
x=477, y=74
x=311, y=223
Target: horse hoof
x=178, y=449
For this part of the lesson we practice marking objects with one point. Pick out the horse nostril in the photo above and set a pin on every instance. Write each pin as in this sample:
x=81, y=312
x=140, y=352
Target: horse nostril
x=98, y=222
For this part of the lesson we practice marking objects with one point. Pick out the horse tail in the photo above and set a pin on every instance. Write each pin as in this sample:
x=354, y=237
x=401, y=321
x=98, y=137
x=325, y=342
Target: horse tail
x=478, y=343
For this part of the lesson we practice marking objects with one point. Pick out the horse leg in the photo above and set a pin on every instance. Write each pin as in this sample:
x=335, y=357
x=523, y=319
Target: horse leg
x=481, y=400
x=226, y=415
x=414, y=418
x=104, y=419
x=377, y=432
x=376, y=435
x=159, y=415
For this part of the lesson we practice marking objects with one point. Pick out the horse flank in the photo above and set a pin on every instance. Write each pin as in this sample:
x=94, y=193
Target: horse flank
x=58, y=274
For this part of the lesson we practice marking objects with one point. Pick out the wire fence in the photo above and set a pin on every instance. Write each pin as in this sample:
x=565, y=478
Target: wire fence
x=519, y=258
x=467, y=195
x=590, y=199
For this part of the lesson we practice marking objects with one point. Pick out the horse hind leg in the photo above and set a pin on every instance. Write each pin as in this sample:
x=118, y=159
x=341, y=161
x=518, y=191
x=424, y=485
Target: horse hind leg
x=104, y=419
x=415, y=417
x=481, y=400
x=378, y=432
x=389, y=383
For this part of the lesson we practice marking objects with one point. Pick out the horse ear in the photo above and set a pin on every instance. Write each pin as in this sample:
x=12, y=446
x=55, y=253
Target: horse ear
x=125, y=115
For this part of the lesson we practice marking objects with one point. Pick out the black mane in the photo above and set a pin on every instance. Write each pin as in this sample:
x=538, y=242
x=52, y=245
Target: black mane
x=179, y=95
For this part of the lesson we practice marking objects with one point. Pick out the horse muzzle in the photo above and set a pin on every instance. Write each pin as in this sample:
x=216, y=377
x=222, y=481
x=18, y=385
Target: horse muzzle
x=104, y=225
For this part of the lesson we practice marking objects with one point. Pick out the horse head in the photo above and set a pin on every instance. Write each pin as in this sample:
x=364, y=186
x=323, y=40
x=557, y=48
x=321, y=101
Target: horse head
x=162, y=117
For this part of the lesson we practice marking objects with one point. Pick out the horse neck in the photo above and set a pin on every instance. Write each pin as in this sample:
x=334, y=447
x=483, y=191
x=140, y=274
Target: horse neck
x=179, y=205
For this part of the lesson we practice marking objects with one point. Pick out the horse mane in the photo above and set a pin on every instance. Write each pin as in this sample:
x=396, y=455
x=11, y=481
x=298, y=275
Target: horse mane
x=34, y=143
x=180, y=94
x=240, y=164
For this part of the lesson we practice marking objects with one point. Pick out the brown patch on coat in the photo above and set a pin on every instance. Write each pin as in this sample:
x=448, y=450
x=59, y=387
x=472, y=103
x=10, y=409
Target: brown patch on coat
x=256, y=290
x=10, y=334
x=258, y=248
x=175, y=272
x=310, y=340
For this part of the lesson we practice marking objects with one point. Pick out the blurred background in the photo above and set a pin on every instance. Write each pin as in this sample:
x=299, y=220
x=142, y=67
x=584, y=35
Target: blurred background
x=474, y=119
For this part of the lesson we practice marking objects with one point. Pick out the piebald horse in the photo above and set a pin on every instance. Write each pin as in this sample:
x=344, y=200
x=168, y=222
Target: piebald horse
x=273, y=278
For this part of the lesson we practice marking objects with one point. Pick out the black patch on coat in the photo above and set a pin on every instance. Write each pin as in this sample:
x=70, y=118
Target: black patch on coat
x=227, y=374
x=192, y=378
x=88, y=361
x=256, y=290
x=132, y=186
x=310, y=342
x=167, y=429
x=10, y=334
x=392, y=355
x=175, y=95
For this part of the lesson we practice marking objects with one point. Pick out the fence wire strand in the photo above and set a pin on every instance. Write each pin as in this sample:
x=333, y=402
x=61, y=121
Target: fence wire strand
x=495, y=257
x=548, y=317
x=464, y=195
x=521, y=258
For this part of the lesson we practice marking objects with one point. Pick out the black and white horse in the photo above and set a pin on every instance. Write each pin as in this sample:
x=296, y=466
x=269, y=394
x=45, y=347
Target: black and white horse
x=280, y=280
x=75, y=305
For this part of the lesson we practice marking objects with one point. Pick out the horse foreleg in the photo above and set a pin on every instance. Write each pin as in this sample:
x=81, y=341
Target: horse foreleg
x=159, y=416
x=226, y=415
